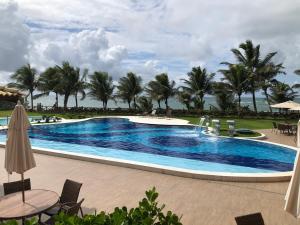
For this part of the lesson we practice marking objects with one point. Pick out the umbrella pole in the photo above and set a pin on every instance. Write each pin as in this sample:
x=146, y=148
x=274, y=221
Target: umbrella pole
x=23, y=192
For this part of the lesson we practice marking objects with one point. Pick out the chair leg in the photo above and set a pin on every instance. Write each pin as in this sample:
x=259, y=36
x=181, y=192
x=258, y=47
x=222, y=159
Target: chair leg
x=81, y=212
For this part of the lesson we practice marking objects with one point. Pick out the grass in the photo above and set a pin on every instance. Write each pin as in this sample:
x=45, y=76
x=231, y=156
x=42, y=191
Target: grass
x=252, y=124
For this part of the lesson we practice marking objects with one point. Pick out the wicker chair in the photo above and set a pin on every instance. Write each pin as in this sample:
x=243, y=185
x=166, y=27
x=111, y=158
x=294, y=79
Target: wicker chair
x=69, y=194
x=251, y=219
x=16, y=186
x=275, y=127
x=70, y=208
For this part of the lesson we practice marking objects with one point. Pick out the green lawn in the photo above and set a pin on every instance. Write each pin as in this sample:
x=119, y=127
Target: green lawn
x=253, y=124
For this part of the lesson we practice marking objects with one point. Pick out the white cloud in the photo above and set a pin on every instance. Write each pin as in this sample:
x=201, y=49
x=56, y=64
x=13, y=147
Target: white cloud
x=98, y=34
x=88, y=48
x=14, y=37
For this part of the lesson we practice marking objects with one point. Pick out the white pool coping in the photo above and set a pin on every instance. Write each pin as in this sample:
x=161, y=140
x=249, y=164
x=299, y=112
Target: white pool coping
x=197, y=174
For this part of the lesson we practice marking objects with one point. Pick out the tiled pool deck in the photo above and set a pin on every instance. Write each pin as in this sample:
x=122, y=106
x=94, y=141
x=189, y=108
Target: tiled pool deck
x=199, y=201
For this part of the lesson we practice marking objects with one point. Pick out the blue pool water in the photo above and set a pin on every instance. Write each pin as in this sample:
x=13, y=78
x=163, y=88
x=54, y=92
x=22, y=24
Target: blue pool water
x=176, y=146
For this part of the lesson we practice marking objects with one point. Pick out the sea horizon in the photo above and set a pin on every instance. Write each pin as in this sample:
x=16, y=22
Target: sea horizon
x=49, y=101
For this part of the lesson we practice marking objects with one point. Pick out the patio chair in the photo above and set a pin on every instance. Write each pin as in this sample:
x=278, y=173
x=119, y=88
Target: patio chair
x=282, y=128
x=251, y=219
x=70, y=193
x=70, y=208
x=275, y=127
x=16, y=186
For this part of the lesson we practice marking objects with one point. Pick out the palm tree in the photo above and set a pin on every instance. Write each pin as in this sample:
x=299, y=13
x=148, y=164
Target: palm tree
x=101, y=87
x=236, y=78
x=298, y=84
x=252, y=61
x=26, y=80
x=224, y=96
x=129, y=88
x=69, y=79
x=185, y=98
x=145, y=103
x=153, y=90
x=166, y=87
x=49, y=81
x=267, y=76
x=80, y=85
x=281, y=92
x=198, y=84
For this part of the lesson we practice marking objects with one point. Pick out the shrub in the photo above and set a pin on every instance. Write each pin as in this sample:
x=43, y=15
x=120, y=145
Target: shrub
x=148, y=212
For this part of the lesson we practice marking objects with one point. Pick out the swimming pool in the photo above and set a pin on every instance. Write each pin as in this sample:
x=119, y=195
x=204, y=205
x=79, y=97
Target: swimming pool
x=181, y=147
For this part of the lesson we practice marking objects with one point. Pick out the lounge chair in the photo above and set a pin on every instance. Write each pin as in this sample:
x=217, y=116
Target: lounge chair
x=71, y=209
x=251, y=219
x=16, y=186
x=69, y=194
x=153, y=113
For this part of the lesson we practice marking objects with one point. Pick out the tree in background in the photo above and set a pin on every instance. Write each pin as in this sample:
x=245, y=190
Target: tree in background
x=236, y=78
x=250, y=57
x=267, y=79
x=198, y=84
x=69, y=79
x=154, y=92
x=165, y=88
x=101, y=87
x=281, y=92
x=224, y=97
x=185, y=98
x=49, y=81
x=129, y=88
x=26, y=79
x=145, y=104
x=297, y=85
x=80, y=85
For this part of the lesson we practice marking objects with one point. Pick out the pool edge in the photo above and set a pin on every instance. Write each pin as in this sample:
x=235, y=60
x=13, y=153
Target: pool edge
x=214, y=176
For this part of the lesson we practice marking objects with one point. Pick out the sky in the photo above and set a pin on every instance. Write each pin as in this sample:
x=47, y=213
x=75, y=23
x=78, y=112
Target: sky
x=146, y=37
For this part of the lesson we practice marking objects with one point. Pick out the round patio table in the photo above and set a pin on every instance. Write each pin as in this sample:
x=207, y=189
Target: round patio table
x=36, y=202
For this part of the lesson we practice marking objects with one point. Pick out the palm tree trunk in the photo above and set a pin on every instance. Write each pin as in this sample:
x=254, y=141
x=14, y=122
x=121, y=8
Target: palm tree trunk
x=268, y=100
x=201, y=103
x=239, y=105
x=134, y=103
x=56, y=100
x=31, y=98
x=76, y=100
x=66, y=100
x=254, y=101
x=128, y=101
x=158, y=102
x=166, y=102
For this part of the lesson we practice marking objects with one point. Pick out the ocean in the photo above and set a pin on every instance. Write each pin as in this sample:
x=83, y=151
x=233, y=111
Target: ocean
x=173, y=103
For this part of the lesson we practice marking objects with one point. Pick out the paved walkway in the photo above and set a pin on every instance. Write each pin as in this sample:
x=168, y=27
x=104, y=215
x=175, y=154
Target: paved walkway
x=279, y=138
x=199, y=201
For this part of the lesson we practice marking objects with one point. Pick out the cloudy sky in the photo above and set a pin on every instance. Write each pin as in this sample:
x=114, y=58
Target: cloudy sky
x=146, y=37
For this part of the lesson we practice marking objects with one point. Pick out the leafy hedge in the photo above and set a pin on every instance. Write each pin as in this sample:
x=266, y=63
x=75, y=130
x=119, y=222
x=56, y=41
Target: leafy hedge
x=148, y=212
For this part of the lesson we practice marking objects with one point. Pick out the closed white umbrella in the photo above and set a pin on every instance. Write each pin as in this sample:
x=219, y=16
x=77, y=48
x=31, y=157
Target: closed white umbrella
x=18, y=155
x=292, y=204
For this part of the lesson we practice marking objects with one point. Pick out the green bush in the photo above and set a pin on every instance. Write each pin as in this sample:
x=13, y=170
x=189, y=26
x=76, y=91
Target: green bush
x=148, y=212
